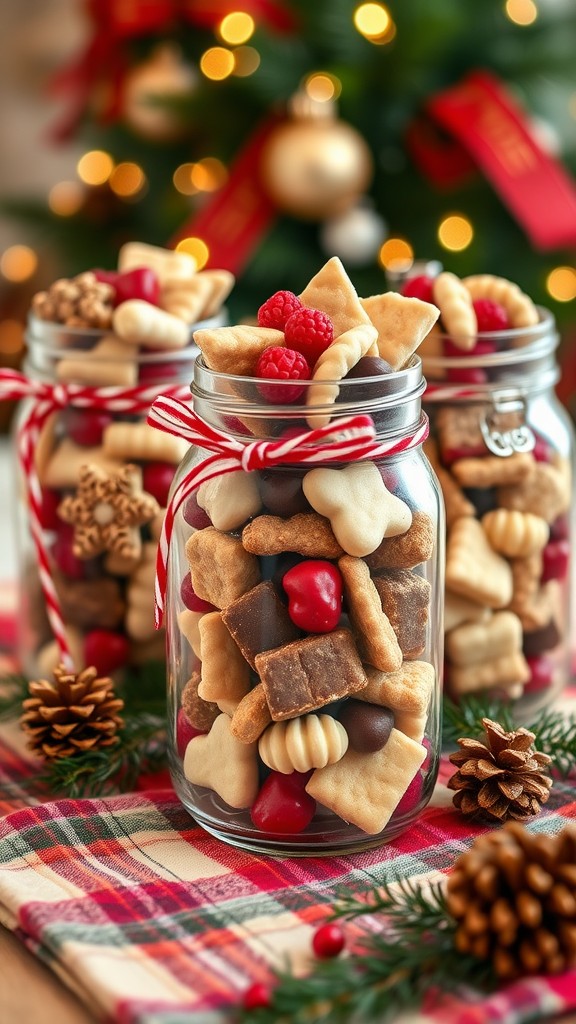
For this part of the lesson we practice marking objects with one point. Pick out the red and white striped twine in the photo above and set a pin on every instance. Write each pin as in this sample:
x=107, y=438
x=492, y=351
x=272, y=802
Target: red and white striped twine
x=348, y=440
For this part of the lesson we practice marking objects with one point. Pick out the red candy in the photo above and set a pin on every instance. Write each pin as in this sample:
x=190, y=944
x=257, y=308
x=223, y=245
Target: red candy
x=85, y=427
x=276, y=310
x=541, y=673
x=194, y=515
x=314, y=589
x=412, y=795
x=139, y=283
x=73, y=567
x=328, y=941
x=283, y=805
x=419, y=287
x=185, y=732
x=481, y=348
x=106, y=650
x=257, y=997
x=309, y=331
x=560, y=528
x=466, y=375
x=49, y=512
x=156, y=480
x=555, y=559
x=490, y=316
x=279, y=364
x=191, y=599
x=541, y=451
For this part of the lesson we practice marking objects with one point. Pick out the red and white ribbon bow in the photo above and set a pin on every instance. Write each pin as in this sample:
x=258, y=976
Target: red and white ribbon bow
x=347, y=440
x=46, y=399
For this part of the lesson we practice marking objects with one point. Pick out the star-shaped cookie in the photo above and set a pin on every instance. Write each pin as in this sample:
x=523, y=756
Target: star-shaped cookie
x=107, y=510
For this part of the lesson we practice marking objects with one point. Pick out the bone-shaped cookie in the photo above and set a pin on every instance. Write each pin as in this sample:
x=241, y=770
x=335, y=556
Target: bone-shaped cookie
x=230, y=499
x=221, y=762
x=360, y=508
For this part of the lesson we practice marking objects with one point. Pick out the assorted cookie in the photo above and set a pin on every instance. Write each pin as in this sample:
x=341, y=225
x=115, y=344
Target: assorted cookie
x=318, y=623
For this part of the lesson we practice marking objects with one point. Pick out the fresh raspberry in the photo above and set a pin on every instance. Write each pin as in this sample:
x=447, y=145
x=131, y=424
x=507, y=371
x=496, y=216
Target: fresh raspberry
x=419, y=287
x=490, y=315
x=309, y=331
x=276, y=364
x=276, y=310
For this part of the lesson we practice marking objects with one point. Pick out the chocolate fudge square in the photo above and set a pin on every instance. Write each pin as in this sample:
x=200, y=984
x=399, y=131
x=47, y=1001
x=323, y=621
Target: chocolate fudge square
x=405, y=598
x=259, y=621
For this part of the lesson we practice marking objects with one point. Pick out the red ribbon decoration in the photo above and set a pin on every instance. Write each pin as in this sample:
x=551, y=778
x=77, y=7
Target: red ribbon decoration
x=47, y=399
x=118, y=21
x=347, y=440
x=492, y=132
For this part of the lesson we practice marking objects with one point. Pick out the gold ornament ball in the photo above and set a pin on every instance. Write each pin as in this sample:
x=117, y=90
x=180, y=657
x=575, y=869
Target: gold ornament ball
x=164, y=76
x=315, y=169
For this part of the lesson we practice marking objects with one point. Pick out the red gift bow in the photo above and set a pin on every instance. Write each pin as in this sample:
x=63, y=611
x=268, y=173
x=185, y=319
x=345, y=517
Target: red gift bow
x=348, y=440
x=117, y=21
x=47, y=399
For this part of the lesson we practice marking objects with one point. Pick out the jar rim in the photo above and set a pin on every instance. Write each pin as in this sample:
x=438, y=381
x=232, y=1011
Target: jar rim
x=516, y=345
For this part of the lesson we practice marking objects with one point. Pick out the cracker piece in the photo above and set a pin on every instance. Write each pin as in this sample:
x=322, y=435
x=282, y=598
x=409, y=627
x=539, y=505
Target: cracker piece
x=405, y=598
x=407, y=692
x=143, y=443
x=251, y=716
x=306, y=533
x=186, y=299
x=164, y=262
x=538, y=612
x=200, y=713
x=402, y=324
x=375, y=638
x=259, y=621
x=188, y=621
x=526, y=575
x=235, y=349
x=473, y=569
x=507, y=671
x=220, y=568
x=407, y=550
x=520, y=309
x=455, y=304
x=365, y=789
x=333, y=364
x=62, y=470
x=108, y=364
x=458, y=609
x=222, y=282
x=543, y=493
x=500, y=635
x=492, y=470
x=332, y=291
x=223, y=763
x=225, y=673
x=309, y=673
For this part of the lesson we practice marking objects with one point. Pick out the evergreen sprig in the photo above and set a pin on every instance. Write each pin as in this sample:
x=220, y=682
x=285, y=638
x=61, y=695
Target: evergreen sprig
x=13, y=690
x=390, y=972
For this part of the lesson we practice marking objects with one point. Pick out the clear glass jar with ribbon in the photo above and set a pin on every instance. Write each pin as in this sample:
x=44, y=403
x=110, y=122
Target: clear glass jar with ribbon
x=300, y=581
x=93, y=482
x=503, y=448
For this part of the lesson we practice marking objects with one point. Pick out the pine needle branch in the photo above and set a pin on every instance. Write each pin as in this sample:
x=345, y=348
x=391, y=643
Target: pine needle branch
x=465, y=718
x=13, y=690
x=556, y=736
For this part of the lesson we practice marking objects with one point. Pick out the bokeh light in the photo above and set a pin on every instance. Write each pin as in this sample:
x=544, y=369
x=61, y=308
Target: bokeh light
x=455, y=232
x=521, y=12
x=182, y=180
x=11, y=337
x=236, y=28
x=561, y=284
x=65, y=198
x=396, y=254
x=246, y=61
x=208, y=174
x=373, y=21
x=18, y=263
x=322, y=87
x=127, y=180
x=196, y=248
x=217, y=63
x=95, y=167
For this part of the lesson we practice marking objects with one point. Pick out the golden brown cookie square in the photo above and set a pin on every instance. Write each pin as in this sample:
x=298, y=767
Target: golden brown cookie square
x=375, y=638
x=225, y=672
x=405, y=598
x=220, y=568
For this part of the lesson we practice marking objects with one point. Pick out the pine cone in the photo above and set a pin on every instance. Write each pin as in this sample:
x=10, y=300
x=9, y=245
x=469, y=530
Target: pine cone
x=74, y=713
x=502, y=778
x=513, y=896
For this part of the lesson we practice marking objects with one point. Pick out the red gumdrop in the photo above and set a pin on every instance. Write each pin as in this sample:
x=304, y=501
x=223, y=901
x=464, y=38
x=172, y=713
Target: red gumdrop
x=466, y=375
x=156, y=480
x=194, y=515
x=106, y=650
x=62, y=553
x=419, y=287
x=257, y=997
x=156, y=372
x=412, y=795
x=283, y=805
x=190, y=597
x=481, y=348
x=49, y=512
x=185, y=732
x=106, y=276
x=314, y=589
x=560, y=528
x=86, y=426
x=139, y=283
x=541, y=451
x=541, y=673
x=555, y=559
x=328, y=941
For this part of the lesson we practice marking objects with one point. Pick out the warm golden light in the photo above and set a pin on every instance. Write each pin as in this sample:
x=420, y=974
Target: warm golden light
x=236, y=28
x=18, y=263
x=95, y=167
x=11, y=337
x=246, y=61
x=396, y=254
x=323, y=87
x=208, y=174
x=65, y=198
x=127, y=180
x=455, y=232
x=182, y=180
x=196, y=248
x=521, y=12
x=561, y=284
x=373, y=21
x=217, y=63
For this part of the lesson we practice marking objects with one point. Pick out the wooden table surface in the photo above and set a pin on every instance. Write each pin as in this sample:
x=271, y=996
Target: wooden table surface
x=32, y=994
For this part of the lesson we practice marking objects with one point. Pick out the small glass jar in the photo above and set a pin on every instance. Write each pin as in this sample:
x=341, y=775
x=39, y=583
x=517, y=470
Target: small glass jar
x=304, y=646
x=503, y=448
x=106, y=598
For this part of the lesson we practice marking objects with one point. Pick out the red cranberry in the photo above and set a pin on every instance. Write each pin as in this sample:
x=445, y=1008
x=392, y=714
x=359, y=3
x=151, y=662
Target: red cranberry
x=542, y=451
x=481, y=348
x=419, y=287
x=314, y=589
x=257, y=997
x=283, y=805
x=466, y=375
x=156, y=480
x=412, y=795
x=541, y=674
x=328, y=941
x=73, y=567
x=106, y=650
x=560, y=528
x=555, y=559
x=185, y=732
x=194, y=515
x=490, y=315
x=159, y=372
x=191, y=599
x=139, y=283
x=49, y=515
x=86, y=426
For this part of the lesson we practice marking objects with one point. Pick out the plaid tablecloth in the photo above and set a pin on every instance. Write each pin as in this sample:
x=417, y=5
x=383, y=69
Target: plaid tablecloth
x=153, y=921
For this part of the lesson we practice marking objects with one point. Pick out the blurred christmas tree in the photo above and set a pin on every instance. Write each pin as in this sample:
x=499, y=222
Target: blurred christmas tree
x=169, y=95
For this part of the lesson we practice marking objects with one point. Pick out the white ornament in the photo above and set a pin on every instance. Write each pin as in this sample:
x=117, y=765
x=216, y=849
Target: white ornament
x=355, y=236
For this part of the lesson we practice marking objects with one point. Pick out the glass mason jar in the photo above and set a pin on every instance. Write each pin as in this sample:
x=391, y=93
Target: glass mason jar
x=303, y=620
x=105, y=594
x=502, y=446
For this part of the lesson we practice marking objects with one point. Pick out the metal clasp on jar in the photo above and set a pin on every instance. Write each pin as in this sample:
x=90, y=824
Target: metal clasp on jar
x=519, y=438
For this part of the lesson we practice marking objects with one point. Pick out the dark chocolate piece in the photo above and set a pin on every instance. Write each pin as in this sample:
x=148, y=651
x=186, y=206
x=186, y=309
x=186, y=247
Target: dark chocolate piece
x=259, y=621
x=368, y=725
